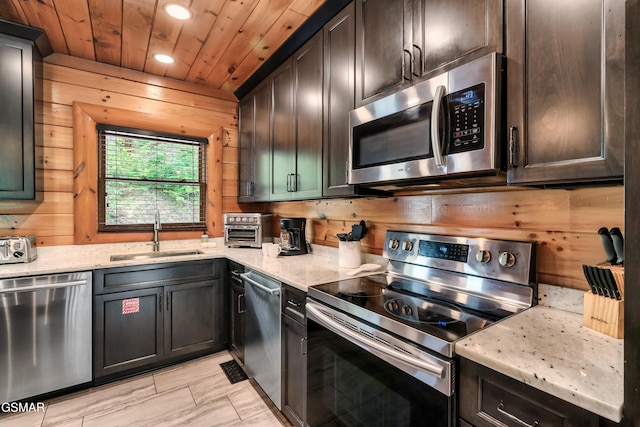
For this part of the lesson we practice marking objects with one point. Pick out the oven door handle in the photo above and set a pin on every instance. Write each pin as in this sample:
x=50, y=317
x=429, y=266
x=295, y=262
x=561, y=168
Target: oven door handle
x=343, y=331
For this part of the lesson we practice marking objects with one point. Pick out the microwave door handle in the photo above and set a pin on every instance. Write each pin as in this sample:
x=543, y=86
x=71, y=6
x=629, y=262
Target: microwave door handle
x=436, y=142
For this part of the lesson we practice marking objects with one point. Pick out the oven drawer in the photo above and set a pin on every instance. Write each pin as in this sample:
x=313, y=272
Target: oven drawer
x=488, y=398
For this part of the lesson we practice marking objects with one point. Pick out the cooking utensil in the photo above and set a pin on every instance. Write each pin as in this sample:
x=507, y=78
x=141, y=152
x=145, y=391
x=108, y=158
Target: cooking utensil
x=601, y=282
x=607, y=277
x=362, y=268
x=364, y=229
x=356, y=232
x=607, y=244
x=590, y=280
x=618, y=244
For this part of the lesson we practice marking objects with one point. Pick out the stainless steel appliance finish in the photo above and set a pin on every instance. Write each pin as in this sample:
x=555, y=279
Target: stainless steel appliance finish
x=405, y=323
x=445, y=127
x=247, y=229
x=45, y=334
x=15, y=249
x=262, y=346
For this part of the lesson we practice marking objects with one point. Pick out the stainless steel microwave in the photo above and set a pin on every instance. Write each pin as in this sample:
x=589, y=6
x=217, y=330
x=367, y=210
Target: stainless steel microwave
x=444, y=127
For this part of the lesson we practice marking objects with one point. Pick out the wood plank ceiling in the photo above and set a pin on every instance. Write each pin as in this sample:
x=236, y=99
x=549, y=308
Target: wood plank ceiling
x=220, y=46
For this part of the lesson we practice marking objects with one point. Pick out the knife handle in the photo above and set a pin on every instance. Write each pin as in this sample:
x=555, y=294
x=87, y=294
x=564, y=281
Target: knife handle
x=618, y=243
x=607, y=244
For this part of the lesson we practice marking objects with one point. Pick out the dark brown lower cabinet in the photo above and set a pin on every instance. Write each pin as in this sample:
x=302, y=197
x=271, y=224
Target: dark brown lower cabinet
x=294, y=381
x=189, y=322
x=128, y=331
x=165, y=321
x=488, y=398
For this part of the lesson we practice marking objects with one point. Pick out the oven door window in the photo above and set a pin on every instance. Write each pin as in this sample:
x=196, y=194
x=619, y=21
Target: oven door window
x=399, y=137
x=241, y=234
x=347, y=386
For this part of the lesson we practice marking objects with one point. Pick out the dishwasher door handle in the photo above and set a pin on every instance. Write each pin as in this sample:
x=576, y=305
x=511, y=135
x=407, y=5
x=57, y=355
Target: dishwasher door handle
x=43, y=287
x=260, y=286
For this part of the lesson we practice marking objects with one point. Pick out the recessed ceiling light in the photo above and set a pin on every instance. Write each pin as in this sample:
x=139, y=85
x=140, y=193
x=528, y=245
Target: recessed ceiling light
x=165, y=59
x=177, y=11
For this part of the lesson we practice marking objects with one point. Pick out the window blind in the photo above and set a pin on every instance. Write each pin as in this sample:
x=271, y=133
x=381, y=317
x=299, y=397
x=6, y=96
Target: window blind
x=142, y=171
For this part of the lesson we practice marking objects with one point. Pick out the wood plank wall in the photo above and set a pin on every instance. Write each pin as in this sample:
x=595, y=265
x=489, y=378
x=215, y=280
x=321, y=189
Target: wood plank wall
x=564, y=223
x=154, y=103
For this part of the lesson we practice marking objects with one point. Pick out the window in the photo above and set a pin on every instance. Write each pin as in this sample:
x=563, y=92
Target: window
x=141, y=172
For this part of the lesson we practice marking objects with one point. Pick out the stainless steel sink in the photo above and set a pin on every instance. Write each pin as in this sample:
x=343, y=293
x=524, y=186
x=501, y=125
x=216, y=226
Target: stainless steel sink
x=150, y=255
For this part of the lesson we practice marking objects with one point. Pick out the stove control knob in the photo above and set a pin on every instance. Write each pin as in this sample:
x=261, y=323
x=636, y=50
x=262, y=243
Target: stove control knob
x=394, y=244
x=483, y=256
x=507, y=259
x=406, y=310
x=407, y=246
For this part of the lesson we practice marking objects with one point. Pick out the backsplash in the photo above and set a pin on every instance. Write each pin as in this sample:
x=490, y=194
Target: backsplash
x=563, y=222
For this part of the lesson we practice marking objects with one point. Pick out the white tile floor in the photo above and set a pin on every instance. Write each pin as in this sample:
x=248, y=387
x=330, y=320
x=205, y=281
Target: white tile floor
x=194, y=393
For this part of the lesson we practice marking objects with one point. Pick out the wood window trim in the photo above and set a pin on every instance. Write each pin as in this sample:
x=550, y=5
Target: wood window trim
x=85, y=172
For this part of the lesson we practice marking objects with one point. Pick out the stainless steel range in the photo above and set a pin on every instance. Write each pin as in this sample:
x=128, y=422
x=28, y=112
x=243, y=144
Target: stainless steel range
x=384, y=344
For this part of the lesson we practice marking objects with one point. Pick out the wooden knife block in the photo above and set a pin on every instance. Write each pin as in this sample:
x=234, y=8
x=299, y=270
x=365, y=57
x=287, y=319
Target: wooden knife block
x=606, y=315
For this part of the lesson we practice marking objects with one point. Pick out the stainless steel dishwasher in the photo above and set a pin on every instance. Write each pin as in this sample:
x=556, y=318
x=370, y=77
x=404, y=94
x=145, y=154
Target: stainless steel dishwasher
x=262, y=348
x=45, y=334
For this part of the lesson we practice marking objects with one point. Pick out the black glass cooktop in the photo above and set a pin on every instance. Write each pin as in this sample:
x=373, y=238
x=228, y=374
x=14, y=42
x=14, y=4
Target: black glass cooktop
x=413, y=305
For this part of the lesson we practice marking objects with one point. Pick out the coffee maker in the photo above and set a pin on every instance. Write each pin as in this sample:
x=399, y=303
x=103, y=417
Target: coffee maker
x=292, y=237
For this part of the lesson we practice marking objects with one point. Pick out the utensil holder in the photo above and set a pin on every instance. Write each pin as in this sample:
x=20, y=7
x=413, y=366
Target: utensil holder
x=349, y=254
x=603, y=314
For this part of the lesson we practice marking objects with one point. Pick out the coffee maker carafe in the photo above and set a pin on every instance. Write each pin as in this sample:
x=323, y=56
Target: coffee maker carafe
x=292, y=237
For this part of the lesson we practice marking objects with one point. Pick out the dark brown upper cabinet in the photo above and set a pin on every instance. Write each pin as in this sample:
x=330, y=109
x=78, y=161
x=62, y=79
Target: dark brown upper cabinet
x=339, y=95
x=449, y=32
x=400, y=42
x=565, y=86
x=21, y=51
x=296, y=124
x=383, y=48
x=254, y=152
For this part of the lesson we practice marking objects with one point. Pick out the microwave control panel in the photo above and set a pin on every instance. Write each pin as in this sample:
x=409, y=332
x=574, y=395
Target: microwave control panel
x=466, y=116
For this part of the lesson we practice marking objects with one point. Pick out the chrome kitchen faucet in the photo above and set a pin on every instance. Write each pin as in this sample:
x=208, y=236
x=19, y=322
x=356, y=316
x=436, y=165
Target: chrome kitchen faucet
x=156, y=227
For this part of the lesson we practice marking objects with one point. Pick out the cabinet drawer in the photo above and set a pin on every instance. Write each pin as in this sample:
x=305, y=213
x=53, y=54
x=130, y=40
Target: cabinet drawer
x=293, y=303
x=119, y=279
x=488, y=398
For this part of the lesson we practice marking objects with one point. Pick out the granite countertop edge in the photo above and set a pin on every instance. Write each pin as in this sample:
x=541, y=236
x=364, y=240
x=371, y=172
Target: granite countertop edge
x=315, y=268
x=550, y=350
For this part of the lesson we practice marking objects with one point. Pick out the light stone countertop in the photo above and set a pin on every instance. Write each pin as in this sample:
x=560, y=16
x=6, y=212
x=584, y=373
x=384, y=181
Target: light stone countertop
x=300, y=271
x=551, y=350
x=547, y=348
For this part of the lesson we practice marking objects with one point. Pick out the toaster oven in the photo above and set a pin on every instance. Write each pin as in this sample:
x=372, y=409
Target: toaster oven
x=15, y=249
x=249, y=230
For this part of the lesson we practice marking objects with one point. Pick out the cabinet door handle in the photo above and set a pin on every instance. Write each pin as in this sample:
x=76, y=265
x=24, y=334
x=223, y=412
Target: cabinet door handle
x=406, y=53
x=295, y=181
x=288, y=183
x=417, y=68
x=240, y=310
x=168, y=300
x=160, y=303
x=513, y=146
x=513, y=418
x=303, y=347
